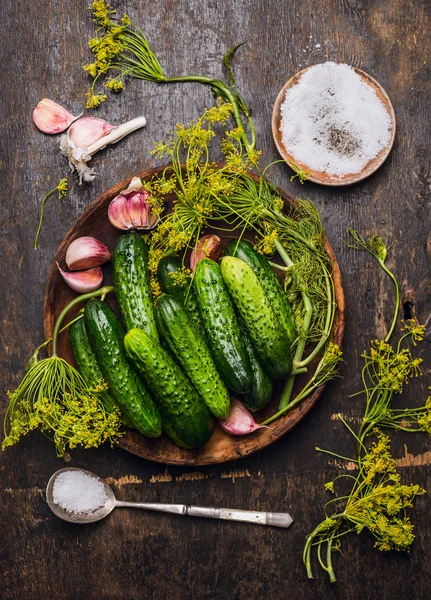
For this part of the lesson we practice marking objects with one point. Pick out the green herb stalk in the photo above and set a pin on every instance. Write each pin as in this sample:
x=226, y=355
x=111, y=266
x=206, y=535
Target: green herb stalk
x=377, y=500
x=122, y=48
x=54, y=398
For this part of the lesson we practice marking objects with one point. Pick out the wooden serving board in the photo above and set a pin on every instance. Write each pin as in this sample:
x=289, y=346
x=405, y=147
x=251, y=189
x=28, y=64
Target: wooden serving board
x=222, y=447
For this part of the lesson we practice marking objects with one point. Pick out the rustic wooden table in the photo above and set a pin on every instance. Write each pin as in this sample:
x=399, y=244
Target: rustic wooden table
x=137, y=555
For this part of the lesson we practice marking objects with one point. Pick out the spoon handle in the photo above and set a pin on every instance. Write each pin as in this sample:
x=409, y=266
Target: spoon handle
x=227, y=514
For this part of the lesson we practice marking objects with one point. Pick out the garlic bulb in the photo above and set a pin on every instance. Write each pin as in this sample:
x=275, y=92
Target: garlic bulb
x=83, y=281
x=86, y=252
x=88, y=137
x=131, y=209
x=50, y=117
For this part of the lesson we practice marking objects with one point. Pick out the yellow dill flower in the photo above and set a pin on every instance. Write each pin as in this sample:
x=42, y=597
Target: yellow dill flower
x=155, y=287
x=94, y=100
x=114, y=84
x=62, y=188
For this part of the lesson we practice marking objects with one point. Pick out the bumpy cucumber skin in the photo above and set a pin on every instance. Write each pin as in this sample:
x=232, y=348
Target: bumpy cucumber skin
x=269, y=339
x=189, y=347
x=243, y=250
x=186, y=418
x=132, y=283
x=184, y=293
x=88, y=366
x=261, y=392
x=106, y=337
x=221, y=326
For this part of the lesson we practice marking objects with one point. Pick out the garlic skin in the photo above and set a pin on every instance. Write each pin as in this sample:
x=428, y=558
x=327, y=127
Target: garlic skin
x=209, y=246
x=240, y=420
x=94, y=134
x=86, y=252
x=83, y=281
x=131, y=209
x=87, y=131
x=51, y=118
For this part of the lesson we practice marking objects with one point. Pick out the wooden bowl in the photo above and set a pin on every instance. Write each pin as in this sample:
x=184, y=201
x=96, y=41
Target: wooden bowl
x=222, y=447
x=323, y=177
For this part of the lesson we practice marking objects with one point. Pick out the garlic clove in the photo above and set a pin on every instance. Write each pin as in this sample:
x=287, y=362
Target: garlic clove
x=83, y=281
x=118, y=213
x=137, y=207
x=85, y=132
x=88, y=137
x=240, y=420
x=50, y=117
x=132, y=211
x=86, y=252
x=209, y=246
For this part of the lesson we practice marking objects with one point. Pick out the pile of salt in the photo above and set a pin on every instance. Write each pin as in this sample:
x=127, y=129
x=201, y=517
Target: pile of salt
x=78, y=492
x=333, y=121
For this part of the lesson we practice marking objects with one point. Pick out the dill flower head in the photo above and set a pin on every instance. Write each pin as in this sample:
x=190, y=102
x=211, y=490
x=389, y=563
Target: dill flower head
x=54, y=398
x=415, y=329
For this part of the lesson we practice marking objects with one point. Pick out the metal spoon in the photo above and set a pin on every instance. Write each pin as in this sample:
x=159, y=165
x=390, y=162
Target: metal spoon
x=228, y=514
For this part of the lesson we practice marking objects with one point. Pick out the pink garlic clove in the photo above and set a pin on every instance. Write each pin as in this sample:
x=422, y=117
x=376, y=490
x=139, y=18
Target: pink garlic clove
x=118, y=213
x=50, y=117
x=137, y=207
x=83, y=281
x=86, y=252
x=85, y=132
x=131, y=209
x=240, y=420
x=207, y=247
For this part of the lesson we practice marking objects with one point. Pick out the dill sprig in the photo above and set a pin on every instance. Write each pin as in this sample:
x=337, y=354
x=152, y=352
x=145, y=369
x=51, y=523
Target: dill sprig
x=121, y=47
x=377, y=499
x=54, y=398
x=61, y=188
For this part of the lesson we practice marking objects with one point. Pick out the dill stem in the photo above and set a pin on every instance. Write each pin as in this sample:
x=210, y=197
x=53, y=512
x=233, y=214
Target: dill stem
x=397, y=300
x=330, y=314
x=230, y=97
x=42, y=211
x=100, y=292
x=288, y=388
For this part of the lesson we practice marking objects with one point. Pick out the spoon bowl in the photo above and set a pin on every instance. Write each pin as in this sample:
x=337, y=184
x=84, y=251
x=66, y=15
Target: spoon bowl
x=81, y=518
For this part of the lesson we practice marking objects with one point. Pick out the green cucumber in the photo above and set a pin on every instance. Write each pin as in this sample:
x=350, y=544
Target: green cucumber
x=221, y=326
x=188, y=345
x=269, y=339
x=186, y=418
x=132, y=283
x=88, y=366
x=106, y=337
x=261, y=391
x=182, y=290
x=244, y=250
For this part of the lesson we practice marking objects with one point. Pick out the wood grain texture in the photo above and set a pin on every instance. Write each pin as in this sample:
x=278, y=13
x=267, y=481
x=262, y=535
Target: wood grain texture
x=222, y=447
x=133, y=555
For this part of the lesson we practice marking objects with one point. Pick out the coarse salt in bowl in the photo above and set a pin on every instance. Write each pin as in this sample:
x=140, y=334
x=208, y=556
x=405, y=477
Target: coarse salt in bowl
x=334, y=123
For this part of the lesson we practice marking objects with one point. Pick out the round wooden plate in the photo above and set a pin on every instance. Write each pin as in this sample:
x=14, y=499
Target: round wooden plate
x=321, y=176
x=222, y=447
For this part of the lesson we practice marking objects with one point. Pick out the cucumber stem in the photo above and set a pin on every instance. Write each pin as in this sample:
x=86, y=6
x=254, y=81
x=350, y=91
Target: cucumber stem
x=100, y=292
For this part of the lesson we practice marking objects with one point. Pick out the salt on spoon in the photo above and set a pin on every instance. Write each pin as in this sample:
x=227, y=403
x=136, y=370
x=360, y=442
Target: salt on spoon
x=78, y=496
